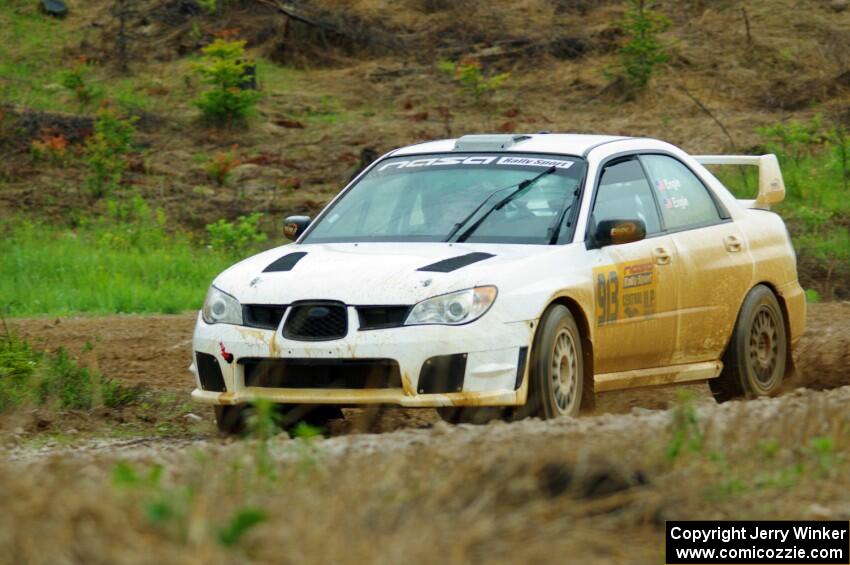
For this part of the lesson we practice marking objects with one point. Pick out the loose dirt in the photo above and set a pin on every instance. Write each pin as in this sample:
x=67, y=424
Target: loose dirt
x=155, y=352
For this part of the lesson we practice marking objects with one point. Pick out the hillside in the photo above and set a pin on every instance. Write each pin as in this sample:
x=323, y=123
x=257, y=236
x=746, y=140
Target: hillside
x=342, y=80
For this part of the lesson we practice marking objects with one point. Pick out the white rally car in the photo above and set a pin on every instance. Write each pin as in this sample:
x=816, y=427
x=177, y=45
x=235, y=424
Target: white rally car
x=509, y=275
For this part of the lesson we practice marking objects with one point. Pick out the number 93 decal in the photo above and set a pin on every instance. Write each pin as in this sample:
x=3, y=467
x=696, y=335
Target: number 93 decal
x=624, y=290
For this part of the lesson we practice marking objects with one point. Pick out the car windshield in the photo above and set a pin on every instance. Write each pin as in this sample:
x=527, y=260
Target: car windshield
x=468, y=197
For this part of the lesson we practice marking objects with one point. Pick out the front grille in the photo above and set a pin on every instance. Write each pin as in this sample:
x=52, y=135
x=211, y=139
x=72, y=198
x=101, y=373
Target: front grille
x=209, y=372
x=379, y=317
x=322, y=373
x=262, y=316
x=316, y=321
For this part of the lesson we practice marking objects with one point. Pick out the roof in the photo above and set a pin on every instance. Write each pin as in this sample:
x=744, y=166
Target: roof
x=569, y=144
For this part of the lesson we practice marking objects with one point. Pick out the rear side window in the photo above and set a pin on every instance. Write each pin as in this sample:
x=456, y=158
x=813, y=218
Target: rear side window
x=684, y=200
x=625, y=194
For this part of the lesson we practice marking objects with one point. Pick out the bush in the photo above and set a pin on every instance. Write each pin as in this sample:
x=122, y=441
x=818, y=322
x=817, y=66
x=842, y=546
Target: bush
x=224, y=68
x=473, y=85
x=76, y=80
x=643, y=51
x=106, y=152
x=236, y=238
x=27, y=375
x=221, y=164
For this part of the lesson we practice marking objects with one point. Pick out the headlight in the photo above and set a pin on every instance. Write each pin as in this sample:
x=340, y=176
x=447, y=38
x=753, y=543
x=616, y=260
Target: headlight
x=221, y=308
x=454, y=308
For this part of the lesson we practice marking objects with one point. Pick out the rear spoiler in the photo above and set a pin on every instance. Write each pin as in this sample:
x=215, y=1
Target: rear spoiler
x=771, y=185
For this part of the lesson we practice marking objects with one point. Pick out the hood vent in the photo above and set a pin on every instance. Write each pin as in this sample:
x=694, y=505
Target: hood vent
x=449, y=265
x=285, y=263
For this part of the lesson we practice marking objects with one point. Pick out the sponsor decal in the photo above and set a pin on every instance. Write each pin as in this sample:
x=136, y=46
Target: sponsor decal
x=509, y=161
x=625, y=290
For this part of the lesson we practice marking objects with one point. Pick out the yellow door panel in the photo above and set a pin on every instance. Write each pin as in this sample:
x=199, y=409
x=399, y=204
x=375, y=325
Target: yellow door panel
x=635, y=305
x=715, y=273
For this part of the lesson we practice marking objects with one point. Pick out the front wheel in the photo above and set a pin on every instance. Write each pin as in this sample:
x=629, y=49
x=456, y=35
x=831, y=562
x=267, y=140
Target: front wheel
x=557, y=369
x=755, y=360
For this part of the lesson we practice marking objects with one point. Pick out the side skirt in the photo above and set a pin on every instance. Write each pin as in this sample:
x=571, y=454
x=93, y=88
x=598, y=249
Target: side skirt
x=657, y=376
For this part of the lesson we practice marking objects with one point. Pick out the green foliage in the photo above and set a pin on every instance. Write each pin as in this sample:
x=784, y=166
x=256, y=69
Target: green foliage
x=27, y=375
x=241, y=522
x=236, y=238
x=223, y=68
x=221, y=165
x=77, y=81
x=106, y=152
x=18, y=362
x=824, y=451
x=687, y=434
x=125, y=262
x=209, y=6
x=643, y=50
x=473, y=85
x=812, y=296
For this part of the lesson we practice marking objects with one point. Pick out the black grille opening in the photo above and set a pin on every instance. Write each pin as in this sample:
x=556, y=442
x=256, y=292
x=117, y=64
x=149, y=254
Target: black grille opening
x=209, y=372
x=322, y=373
x=379, y=317
x=262, y=315
x=316, y=321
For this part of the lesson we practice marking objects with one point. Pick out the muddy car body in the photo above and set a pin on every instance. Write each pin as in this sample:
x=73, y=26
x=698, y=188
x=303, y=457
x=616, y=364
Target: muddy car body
x=511, y=275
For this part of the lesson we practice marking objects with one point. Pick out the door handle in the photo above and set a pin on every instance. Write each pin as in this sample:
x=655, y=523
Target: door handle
x=661, y=255
x=733, y=243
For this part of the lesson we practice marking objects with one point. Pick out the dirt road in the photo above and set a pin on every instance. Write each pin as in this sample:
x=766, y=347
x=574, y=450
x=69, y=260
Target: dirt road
x=155, y=483
x=156, y=350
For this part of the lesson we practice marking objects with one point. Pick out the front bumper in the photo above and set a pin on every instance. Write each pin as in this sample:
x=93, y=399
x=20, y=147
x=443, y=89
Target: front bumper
x=493, y=351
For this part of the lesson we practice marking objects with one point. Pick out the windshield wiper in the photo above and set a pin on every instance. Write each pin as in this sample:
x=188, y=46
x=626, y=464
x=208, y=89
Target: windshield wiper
x=520, y=188
x=462, y=223
x=555, y=229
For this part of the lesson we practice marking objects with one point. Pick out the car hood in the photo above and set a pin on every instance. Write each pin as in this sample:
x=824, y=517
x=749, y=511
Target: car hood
x=373, y=273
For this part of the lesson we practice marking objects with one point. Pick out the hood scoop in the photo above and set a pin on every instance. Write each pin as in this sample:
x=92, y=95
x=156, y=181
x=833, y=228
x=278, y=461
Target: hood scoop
x=285, y=263
x=455, y=263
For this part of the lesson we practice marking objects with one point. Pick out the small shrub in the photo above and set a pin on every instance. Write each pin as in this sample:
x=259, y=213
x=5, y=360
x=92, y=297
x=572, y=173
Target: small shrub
x=18, y=362
x=209, y=6
x=236, y=238
x=643, y=51
x=67, y=382
x=76, y=80
x=50, y=147
x=224, y=68
x=221, y=165
x=106, y=152
x=472, y=83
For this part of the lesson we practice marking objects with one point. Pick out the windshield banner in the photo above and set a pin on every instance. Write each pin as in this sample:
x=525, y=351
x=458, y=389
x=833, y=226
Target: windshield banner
x=477, y=160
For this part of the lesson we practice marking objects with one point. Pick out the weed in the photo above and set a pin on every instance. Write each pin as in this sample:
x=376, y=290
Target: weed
x=106, y=152
x=76, y=80
x=240, y=523
x=221, y=165
x=224, y=68
x=823, y=449
x=643, y=50
x=51, y=147
x=18, y=362
x=725, y=489
x=687, y=434
x=812, y=296
x=236, y=238
x=209, y=6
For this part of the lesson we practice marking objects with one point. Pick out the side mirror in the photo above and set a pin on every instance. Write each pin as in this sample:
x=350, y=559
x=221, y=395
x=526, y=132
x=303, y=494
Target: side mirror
x=294, y=226
x=616, y=232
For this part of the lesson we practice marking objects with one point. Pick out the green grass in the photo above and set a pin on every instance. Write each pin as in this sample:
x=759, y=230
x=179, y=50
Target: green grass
x=102, y=268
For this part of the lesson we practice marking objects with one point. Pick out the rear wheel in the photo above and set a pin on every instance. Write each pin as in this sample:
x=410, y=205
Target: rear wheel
x=754, y=362
x=557, y=368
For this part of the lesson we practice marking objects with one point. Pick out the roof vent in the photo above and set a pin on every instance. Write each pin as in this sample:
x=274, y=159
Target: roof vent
x=488, y=142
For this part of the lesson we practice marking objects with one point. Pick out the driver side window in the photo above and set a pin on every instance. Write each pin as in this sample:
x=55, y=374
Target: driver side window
x=624, y=193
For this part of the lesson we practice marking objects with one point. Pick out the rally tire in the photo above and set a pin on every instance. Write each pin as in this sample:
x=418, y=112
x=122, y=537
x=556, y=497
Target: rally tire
x=556, y=371
x=231, y=420
x=471, y=414
x=755, y=360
